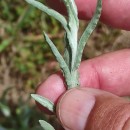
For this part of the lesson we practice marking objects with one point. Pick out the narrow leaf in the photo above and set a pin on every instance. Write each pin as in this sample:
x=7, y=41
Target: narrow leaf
x=73, y=25
x=44, y=102
x=67, y=52
x=72, y=10
x=45, y=125
x=49, y=11
x=5, y=44
x=5, y=110
x=58, y=56
x=88, y=31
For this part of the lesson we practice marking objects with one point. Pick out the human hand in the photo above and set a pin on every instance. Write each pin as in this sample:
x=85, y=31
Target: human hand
x=114, y=13
x=89, y=107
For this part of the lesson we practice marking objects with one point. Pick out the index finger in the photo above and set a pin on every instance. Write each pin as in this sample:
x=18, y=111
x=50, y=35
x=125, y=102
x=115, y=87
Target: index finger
x=114, y=13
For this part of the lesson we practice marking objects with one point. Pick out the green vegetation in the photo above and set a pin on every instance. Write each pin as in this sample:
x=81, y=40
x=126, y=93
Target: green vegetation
x=21, y=41
x=24, y=59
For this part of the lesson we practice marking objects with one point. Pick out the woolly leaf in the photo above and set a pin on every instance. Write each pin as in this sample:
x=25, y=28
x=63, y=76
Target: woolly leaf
x=73, y=25
x=67, y=52
x=49, y=11
x=88, y=31
x=44, y=102
x=72, y=11
x=45, y=125
x=59, y=58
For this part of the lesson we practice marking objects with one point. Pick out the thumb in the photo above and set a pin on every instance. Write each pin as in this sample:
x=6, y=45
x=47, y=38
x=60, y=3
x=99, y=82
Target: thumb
x=91, y=109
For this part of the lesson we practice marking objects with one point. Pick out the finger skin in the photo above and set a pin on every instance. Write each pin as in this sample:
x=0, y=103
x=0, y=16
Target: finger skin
x=109, y=72
x=114, y=13
x=92, y=109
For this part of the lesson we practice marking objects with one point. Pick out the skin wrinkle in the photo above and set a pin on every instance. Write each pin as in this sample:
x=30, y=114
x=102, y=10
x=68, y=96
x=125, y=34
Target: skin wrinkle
x=116, y=117
x=123, y=116
x=112, y=122
x=100, y=114
x=95, y=119
x=111, y=117
x=103, y=111
x=125, y=124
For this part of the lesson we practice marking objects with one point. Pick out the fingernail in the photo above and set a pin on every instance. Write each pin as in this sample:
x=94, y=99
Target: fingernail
x=74, y=108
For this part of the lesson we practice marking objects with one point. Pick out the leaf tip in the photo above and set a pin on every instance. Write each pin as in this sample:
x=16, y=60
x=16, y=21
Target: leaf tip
x=40, y=121
x=45, y=125
x=33, y=95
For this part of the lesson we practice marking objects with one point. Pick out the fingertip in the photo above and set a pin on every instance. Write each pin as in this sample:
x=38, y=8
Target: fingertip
x=74, y=108
x=51, y=89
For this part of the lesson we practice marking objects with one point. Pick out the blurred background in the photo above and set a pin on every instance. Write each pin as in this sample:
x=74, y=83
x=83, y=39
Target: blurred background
x=26, y=60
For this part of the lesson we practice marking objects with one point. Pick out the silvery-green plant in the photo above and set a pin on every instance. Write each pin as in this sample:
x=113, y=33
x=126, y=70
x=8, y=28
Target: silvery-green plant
x=70, y=62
